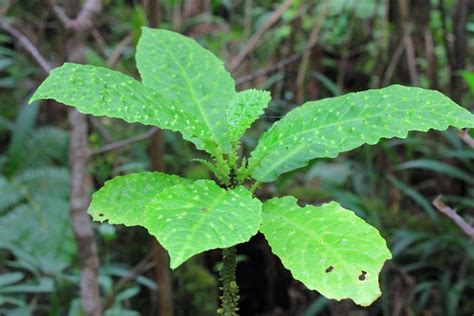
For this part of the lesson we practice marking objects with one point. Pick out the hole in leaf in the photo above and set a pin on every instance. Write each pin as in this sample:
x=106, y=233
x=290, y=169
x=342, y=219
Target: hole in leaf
x=329, y=269
x=100, y=214
x=362, y=276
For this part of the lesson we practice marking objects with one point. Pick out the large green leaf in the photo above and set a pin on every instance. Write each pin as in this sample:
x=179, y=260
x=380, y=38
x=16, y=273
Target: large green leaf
x=100, y=91
x=328, y=248
x=123, y=199
x=180, y=69
x=189, y=219
x=244, y=109
x=327, y=127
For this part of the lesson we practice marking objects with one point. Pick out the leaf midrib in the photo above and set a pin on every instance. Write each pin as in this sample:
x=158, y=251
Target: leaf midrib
x=194, y=98
x=312, y=236
x=218, y=199
x=300, y=147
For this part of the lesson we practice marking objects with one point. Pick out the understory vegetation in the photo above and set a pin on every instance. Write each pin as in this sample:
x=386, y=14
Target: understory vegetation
x=298, y=51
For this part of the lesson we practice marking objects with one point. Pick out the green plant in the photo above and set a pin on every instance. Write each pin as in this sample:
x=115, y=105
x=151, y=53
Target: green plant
x=33, y=189
x=186, y=89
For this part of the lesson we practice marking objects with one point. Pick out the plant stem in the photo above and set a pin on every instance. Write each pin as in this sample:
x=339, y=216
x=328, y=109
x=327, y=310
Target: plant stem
x=230, y=289
x=255, y=186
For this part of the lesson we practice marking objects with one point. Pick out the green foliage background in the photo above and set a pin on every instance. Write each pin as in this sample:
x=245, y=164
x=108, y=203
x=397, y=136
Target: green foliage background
x=390, y=186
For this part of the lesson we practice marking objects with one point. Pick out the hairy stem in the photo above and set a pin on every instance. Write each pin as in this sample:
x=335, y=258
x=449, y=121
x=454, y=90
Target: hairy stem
x=230, y=289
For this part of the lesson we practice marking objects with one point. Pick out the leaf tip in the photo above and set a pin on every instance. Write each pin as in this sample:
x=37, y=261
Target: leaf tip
x=35, y=97
x=175, y=261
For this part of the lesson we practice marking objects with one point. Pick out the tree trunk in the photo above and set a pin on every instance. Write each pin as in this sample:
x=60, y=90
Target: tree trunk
x=79, y=160
x=160, y=255
x=82, y=228
x=460, y=18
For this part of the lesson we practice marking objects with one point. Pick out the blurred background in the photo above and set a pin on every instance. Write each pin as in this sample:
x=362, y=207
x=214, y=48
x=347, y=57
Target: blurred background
x=298, y=50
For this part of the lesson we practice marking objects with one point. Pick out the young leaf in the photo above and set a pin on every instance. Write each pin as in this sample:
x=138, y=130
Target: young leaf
x=327, y=127
x=100, y=91
x=192, y=218
x=122, y=200
x=244, y=109
x=328, y=248
x=180, y=69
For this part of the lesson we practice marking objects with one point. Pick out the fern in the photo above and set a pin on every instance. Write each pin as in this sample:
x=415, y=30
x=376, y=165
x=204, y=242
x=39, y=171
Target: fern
x=44, y=181
x=46, y=146
x=9, y=194
x=28, y=228
x=24, y=124
x=34, y=193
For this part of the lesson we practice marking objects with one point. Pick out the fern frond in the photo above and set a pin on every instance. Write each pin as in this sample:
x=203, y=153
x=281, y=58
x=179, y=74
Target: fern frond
x=46, y=181
x=47, y=146
x=44, y=233
x=9, y=195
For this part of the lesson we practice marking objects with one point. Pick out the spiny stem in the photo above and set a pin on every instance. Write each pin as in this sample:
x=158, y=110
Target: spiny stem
x=230, y=289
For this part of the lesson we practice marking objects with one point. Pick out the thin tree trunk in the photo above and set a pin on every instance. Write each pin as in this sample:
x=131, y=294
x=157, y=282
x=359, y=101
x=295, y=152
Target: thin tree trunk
x=160, y=255
x=312, y=40
x=406, y=25
x=79, y=154
x=460, y=18
x=82, y=228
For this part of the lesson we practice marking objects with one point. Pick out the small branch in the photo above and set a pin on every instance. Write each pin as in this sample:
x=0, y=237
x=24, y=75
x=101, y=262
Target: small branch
x=143, y=266
x=118, y=51
x=452, y=214
x=275, y=67
x=431, y=58
x=411, y=58
x=464, y=135
x=99, y=39
x=253, y=41
x=61, y=15
x=101, y=129
x=125, y=142
x=397, y=55
x=84, y=20
x=262, y=72
x=28, y=46
x=312, y=41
